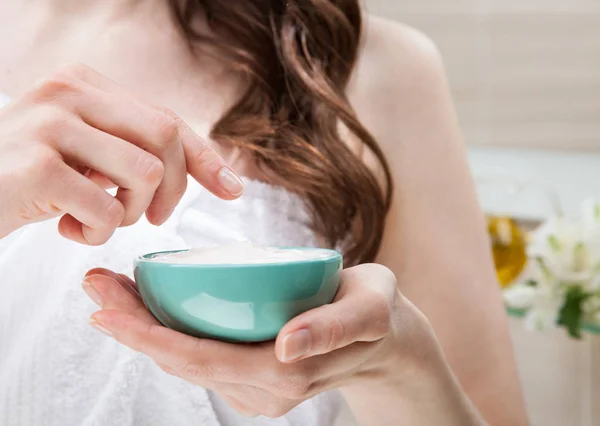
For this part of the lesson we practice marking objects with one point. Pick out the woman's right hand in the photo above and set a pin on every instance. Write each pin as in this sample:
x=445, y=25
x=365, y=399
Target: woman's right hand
x=76, y=131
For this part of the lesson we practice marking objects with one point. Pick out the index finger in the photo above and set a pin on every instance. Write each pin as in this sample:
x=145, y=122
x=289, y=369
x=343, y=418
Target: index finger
x=130, y=117
x=208, y=168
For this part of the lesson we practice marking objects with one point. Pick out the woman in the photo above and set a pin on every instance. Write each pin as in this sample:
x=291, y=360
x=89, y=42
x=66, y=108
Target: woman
x=320, y=117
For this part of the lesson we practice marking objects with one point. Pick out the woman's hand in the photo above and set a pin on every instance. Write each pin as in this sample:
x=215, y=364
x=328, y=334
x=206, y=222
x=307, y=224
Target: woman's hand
x=370, y=337
x=75, y=133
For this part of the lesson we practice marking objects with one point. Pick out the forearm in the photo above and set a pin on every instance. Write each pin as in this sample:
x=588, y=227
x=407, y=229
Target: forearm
x=424, y=397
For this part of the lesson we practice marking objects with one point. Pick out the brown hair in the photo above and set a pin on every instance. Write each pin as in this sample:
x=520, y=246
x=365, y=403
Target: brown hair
x=298, y=56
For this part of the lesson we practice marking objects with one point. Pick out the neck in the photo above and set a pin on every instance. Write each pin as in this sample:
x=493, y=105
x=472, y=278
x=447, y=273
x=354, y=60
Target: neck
x=78, y=9
x=53, y=20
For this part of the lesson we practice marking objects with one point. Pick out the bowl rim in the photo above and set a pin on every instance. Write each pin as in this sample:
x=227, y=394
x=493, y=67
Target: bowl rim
x=334, y=256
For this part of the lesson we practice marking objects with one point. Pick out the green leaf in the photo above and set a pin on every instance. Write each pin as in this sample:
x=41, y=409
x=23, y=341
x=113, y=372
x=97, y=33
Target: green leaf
x=554, y=243
x=544, y=268
x=571, y=313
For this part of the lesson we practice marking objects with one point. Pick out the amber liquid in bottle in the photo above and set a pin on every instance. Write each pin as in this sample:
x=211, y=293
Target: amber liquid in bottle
x=508, y=247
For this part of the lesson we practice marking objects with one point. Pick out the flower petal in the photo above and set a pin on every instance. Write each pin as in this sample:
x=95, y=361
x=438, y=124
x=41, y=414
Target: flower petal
x=520, y=296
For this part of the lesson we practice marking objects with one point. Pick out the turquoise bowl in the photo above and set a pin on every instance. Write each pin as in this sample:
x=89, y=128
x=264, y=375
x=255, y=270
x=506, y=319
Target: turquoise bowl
x=235, y=303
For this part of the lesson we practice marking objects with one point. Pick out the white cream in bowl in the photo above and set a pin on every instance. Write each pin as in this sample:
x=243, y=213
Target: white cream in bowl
x=242, y=254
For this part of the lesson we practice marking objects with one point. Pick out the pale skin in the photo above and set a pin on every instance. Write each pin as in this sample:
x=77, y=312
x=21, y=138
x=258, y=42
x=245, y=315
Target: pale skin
x=435, y=352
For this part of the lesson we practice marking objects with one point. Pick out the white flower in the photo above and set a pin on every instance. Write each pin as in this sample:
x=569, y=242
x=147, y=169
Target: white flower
x=545, y=309
x=520, y=296
x=570, y=251
x=540, y=320
x=565, y=258
x=542, y=302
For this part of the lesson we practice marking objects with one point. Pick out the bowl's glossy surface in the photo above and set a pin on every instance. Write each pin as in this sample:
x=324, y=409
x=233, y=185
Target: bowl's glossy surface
x=238, y=303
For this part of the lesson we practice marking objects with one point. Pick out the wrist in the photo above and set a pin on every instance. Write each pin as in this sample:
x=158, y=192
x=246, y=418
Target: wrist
x=394, y=368
x=410, y=379
x=403, y=358
x=417, y=395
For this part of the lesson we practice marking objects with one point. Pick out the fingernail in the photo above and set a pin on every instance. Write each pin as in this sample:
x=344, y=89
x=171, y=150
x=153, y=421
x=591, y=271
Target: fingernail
x=100, y=327
x=230, y=182
x=296, y=345
x=92, y=293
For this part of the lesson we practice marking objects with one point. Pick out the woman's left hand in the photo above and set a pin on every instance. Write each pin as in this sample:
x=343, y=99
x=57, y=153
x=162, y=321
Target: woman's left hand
x=368, y=331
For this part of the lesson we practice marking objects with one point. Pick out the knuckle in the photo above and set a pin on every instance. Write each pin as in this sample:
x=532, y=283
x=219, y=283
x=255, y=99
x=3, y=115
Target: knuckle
x=381, y=311
x=149, y=169
x=76, y=69
x=60, y=82
x=380, y=294
x=170, y=114
x=66, y=80
x=51, y=124
x=337, y=334
x=138, y=340
x=386, y=276
x=47, y=162
x=167, y=129
x=203, y=154
x=53, y=87
x=197, y=368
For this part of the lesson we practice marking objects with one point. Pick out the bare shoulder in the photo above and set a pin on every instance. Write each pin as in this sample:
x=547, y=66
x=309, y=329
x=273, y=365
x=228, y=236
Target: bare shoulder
x=390, y=46
x=435, y=239
x=399, y=90
x=398, y=65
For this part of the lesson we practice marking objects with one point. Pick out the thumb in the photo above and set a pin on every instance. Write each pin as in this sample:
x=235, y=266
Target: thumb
x=360, y=313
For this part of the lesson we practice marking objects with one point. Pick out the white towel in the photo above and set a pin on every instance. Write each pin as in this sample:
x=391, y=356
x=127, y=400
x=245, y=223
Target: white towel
x=55, y=370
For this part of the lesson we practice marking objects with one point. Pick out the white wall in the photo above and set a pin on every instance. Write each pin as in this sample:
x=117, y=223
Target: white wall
x=523, y=72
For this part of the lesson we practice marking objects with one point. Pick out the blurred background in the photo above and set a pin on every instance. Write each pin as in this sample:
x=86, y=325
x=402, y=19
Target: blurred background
x=525, y=73
x=525, y=76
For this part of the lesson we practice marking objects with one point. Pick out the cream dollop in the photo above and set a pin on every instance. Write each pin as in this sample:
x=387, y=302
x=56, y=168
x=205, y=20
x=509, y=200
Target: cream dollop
x=242, y=254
